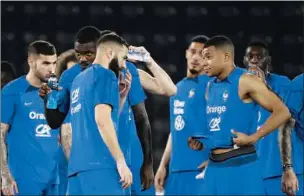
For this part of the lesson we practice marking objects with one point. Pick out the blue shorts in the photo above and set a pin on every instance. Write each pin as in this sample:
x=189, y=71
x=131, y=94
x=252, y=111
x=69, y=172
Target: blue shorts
x=136, y=186
x=272, y=186
x=183, y=183
x=241, y=175
x=95, y=182
x=29, y=187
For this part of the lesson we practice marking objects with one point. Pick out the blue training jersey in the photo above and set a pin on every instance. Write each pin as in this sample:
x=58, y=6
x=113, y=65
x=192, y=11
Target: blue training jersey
x=187, y=118
x=32, y=144
x=96, y=85
x=226, y=111
x=65, y=82
x=268, y=149
x=127, y=133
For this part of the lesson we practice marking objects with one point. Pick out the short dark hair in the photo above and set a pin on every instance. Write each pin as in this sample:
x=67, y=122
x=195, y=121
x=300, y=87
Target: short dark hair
x=41, y=47
x=104, y=32
x=111, y=37
x=8, y=67
x=258, y=43
x=87, y=34
x=200, y=39
x=219, y=41
x=63, y=59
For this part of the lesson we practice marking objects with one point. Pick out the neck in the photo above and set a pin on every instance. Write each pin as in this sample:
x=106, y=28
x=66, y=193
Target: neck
x=33, y=80
x=101, y=61
x=225, y=73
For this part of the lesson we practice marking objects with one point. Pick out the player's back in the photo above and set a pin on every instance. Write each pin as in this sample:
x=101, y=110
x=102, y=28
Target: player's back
x=226, y=111
x=88, y=149
x=187, y=109
x=32, y=145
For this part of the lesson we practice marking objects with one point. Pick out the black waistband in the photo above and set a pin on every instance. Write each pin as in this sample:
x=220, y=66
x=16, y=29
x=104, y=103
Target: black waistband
x=231, y=154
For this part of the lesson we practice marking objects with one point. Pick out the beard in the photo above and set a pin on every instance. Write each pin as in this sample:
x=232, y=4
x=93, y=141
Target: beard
x=193, y=71
x=114, y=66
x=39, y=75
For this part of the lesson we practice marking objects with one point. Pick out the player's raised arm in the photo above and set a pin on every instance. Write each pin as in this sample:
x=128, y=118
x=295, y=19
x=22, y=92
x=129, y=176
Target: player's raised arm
x=161, y=83
x=251, y=87
x=54, y=117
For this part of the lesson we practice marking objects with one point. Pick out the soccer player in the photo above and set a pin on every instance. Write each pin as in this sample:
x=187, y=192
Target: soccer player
x=96, y=156
x=186, y=119
x=8, y=73
x=257, y=55
x=292, y=179
x=66, y=60
x=232, y=98
x=27, y=160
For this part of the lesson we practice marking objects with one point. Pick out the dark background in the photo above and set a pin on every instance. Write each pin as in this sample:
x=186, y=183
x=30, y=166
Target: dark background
x=164, y=28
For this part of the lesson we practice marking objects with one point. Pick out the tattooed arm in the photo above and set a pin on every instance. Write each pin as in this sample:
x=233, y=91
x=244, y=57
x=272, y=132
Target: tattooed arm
x=9, y=186
x=285, y=141
x=289, y=179
x=66, y=139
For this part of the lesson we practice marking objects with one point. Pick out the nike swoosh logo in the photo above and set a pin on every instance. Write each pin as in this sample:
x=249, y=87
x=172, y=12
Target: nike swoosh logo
x=27, y=104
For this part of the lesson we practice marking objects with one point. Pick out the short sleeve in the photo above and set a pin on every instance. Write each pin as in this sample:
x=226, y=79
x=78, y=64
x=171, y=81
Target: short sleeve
x=8, y=106
x=63, y=95
x=294, y=102
x=136, y=94
x=106, y=90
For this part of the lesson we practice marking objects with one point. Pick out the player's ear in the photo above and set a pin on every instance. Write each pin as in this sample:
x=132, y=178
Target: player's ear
x=30, y=60
x=186, y=53
x=110, y=53
x=245, y=61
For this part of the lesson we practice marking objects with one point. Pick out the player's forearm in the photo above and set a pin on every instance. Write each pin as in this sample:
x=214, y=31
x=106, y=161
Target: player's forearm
x=285, y=141
x=162, y=78
x=4, y=164
x=122, y=103
x=66, y=139
x=143, y=130
x=108, y=134
x=166, y=156
x=279, y=116
x=53, y=117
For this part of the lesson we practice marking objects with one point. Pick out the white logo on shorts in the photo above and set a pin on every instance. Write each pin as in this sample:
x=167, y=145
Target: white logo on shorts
x=179, y=123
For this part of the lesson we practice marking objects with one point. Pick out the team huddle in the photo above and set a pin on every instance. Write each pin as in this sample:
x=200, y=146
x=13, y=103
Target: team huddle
x=233, y=131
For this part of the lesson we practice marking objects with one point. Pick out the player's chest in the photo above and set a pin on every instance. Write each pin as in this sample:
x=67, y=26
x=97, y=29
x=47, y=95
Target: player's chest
x=30, y=106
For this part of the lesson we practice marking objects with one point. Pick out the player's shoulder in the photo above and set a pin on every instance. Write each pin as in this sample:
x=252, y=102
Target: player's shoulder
x=280, y=79
x=71, y=73
x=298, y=82
x=131, y=67
x=298, y=79
x=14, y=87
x=101, y=73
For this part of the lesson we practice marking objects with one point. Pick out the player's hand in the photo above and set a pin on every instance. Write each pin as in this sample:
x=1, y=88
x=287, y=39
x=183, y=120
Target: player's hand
x=159, y=180
x=125, y=84
x=9, y=185
x=125, y=174
x=44, y=90
x=194, y=144
x=255, y=70
x=148, y=60
x=146, y=175
x=290, y=183
x=241, y=139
